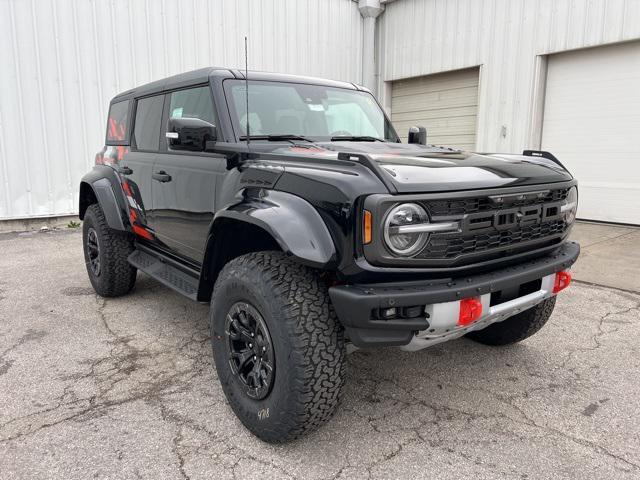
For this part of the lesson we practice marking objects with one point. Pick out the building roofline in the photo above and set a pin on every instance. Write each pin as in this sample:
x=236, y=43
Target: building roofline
x=203, y=75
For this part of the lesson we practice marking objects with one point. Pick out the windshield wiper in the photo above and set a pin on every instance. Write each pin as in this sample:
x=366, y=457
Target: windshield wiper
x=356, y=138
x=276, y=138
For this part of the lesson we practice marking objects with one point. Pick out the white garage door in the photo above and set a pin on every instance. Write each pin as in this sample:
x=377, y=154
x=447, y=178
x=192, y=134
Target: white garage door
x=592, y=124
x=445, y=103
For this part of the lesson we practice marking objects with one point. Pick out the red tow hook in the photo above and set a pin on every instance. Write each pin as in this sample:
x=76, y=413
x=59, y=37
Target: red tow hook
x=562, y=281
x=470, y=310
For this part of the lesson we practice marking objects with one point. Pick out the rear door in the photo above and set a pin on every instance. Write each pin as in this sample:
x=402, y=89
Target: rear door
x=184, y=182
x=137, y=165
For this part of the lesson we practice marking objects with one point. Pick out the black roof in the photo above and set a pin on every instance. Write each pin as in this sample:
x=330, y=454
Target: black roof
x=203, y=75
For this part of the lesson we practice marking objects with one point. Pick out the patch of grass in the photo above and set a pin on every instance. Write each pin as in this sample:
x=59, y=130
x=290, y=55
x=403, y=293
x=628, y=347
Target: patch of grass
x=73, y=224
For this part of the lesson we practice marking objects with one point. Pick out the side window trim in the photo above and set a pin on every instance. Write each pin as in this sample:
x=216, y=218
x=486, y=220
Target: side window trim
x=163, y=122
x=134, y=108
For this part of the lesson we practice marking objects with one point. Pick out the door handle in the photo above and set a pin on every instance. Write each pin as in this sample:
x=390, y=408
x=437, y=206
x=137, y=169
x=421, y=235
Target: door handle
x=124, y=170
x=162, y=176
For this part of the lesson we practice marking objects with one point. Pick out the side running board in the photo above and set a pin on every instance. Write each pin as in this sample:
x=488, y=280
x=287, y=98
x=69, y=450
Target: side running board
x=155, y=265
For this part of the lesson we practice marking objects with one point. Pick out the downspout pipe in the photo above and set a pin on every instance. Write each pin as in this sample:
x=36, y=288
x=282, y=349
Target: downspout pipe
x=369, y=9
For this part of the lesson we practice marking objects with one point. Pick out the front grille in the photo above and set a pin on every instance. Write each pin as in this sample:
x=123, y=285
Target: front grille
x=462, y=206
x=446, y=246
x=478, y=211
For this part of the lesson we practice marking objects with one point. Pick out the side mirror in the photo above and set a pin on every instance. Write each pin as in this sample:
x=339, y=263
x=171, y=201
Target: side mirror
x=417, y=135
x=192, y=134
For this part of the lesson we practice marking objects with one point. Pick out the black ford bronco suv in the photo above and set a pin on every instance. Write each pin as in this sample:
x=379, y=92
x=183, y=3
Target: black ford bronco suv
x=299, y=215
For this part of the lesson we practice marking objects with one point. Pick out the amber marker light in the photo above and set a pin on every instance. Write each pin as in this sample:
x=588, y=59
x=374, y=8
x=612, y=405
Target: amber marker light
x=366, y=232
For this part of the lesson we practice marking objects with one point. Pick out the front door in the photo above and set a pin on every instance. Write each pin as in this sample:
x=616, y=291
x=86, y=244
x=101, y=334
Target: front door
x=184, y=182
x=136, y=167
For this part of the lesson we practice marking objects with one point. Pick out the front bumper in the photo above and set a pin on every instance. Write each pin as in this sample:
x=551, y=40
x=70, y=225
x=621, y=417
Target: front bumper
x=355, y=304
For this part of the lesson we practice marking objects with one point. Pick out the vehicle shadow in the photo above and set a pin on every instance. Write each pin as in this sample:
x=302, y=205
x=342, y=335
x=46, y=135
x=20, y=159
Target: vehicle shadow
x=458, y=372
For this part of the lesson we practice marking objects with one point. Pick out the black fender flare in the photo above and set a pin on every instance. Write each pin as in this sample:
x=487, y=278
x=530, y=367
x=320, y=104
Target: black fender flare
x=292, y=221
x=104, y=183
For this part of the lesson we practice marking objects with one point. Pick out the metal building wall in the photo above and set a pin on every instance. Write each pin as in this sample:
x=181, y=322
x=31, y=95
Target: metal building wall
x=504, y=37
x=62, y=60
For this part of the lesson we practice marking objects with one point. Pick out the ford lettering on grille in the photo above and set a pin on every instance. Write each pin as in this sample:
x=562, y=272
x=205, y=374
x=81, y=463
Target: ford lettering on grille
x=511, y=218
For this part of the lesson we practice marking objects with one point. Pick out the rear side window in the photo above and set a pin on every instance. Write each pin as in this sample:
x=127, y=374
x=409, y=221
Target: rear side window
x=146, y=131
x=193, y=103
x=117, y=123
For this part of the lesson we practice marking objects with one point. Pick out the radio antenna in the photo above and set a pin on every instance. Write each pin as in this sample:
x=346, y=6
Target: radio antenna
x=246, y=86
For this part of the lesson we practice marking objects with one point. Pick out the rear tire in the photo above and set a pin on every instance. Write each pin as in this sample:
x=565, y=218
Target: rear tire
x=516, y=328
x=287, y=306
x=105, y=254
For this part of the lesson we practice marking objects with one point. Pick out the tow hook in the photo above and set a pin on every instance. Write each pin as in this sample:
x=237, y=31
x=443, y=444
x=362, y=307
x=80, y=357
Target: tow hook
x=562, y=281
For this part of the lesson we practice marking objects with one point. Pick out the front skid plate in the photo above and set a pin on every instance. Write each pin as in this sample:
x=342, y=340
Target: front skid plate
x=443, y=317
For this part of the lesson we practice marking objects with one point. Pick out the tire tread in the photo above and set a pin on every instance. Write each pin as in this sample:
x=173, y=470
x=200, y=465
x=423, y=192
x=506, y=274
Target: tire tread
x=317, y=356
x=117, y=276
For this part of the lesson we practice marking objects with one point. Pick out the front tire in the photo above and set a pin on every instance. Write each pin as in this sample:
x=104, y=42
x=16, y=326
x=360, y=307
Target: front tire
x=288, y=381
x=516, y=328
x=105, y=254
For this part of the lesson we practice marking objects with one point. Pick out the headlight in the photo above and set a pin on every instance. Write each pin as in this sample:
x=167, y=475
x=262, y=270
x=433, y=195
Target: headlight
x=571, y=206
x=405, y=243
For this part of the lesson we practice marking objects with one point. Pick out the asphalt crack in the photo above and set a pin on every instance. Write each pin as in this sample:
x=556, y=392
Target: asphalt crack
x=30, y=335
x=122, y=362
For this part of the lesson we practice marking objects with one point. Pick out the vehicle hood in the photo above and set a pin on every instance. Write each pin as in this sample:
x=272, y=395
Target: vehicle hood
x=417, y=168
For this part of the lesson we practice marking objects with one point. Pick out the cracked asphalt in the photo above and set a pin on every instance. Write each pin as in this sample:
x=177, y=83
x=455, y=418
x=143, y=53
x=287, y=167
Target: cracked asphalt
x=125, y=388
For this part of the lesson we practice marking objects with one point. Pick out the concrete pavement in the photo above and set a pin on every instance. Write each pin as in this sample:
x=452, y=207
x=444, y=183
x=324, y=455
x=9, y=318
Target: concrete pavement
x=124, y=388
x=610, y=255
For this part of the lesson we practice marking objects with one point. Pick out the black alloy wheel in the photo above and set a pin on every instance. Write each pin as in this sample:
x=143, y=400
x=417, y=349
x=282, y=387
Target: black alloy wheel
x=251, y=355
x=93, y=251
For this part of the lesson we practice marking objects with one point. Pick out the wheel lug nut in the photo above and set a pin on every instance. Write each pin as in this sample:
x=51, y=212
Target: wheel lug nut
x=264, y=349
x=251, y=345
x=254, y=357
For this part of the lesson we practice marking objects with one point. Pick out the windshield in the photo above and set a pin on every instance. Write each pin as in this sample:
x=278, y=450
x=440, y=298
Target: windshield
x=314, y=112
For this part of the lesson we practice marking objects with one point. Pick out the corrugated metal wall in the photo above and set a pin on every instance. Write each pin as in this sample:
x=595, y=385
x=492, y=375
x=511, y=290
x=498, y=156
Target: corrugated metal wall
x=421, y=37
x=62, y=60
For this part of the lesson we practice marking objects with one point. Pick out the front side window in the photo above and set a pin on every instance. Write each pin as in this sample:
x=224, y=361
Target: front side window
x=316, y=112
x=117, y=122
x=192, y=107
x=193, y=103
x=148, y=119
